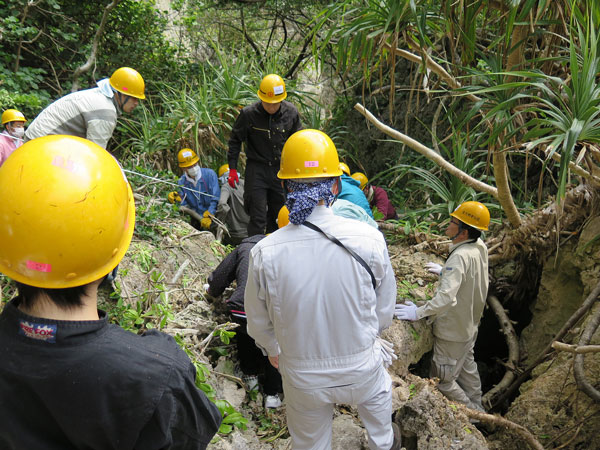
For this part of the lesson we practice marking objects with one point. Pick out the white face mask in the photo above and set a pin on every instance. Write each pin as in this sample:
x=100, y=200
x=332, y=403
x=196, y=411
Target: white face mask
x=193, y=171
x=224, y=177
x=18, y=132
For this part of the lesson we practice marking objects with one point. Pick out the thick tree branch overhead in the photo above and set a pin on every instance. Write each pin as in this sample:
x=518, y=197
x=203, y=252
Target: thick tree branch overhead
x=92, y=56
x=429, y=153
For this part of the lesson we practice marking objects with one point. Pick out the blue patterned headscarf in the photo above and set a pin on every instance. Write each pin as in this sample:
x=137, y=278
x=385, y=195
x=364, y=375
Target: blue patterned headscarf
x=303, y=197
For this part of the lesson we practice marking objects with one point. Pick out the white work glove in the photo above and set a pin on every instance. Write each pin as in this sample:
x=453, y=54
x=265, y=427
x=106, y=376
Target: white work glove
x=408, y=311
x=433, y=268
x=387, y=352
x=206, y=286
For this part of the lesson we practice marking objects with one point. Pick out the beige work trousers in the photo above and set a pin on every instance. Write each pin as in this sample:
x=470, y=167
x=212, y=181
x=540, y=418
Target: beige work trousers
x=454, y=364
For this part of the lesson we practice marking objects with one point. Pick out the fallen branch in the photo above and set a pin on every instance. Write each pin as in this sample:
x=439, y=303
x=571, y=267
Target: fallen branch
x=578, y=370
x=504, y=423
x=433, y=66
x=428, y=153
x=191, y=212
x=203, y=345
x=513, y=350
x=238, y=380
x=183, y=331
x=577, y=315
x=180, y=271
x=580, y=349
x=578, y=170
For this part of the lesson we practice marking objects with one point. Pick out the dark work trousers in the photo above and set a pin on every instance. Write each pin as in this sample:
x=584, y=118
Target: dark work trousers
x=263, y=197
x=252, y=360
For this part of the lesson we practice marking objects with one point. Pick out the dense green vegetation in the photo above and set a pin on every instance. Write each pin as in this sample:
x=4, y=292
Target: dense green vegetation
x=503, y=81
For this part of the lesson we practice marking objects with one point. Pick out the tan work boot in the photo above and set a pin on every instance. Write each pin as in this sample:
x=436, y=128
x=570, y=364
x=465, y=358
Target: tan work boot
x=397, y=444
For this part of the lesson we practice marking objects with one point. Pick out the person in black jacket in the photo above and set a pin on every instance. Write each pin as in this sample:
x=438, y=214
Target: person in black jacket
x=263, y=127
x=252, y=359
x=68, y=378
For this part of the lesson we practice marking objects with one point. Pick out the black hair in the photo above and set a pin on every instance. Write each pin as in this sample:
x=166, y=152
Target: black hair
x=66, y=298
x=474, y=233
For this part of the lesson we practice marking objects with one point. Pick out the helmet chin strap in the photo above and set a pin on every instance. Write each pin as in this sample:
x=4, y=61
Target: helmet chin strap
x=122, y=102
x=460, y=229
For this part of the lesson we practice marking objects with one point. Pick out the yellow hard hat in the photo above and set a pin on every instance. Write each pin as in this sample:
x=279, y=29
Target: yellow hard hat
x=67, y=213
x=224, y=168
x=128, y=81
x=272, y=89
x=309, y=154
x=474, y=214
x=344, y=168
x=187, y=157
x=283, y=218
x=361, y=178
x=12, y=115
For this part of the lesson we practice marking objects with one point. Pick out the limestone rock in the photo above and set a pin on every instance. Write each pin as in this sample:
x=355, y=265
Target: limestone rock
x=428, y=421
x=347, y=434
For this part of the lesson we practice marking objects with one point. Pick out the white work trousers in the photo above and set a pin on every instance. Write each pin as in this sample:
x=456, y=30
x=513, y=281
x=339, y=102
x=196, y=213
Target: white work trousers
x=310, y=411
x=454, y=364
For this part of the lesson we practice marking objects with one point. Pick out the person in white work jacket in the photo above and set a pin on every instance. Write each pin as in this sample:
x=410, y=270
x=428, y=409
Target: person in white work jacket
x=92, y=113
x=316, y=311
x=458, y=305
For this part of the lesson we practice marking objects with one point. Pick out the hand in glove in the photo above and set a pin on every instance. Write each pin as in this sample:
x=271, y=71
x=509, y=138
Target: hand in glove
x=206, y=286
x=408, y=311
x=206, y=214
x=433, y=268
x=233, y=178
x=387, y=352
x=174, y=197
x=205, y=223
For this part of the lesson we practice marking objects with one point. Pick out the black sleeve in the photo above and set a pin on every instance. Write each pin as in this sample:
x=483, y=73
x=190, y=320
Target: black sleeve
x=223, y=275
x=184, y=418
x=297, y=124
x=239, y=133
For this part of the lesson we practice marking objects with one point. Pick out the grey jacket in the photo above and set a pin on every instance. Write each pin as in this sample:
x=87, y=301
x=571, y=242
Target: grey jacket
x=90, y=114
x=231, y=210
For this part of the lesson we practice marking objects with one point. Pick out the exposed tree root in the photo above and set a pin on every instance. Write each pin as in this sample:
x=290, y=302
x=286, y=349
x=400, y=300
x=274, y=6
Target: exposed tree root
x=513, y=351
x=577, y=315
x=582, y=382
x=503, y=423
x=562, y=347
x=539, y=232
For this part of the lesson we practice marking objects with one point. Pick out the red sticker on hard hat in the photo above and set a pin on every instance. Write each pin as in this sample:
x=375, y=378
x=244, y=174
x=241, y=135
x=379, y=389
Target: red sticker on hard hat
x=125, y=88
x=311, y=163
x=39, y=267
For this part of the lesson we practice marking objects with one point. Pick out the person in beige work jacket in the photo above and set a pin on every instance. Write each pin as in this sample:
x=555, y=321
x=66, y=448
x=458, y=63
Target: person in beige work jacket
x=458, y=305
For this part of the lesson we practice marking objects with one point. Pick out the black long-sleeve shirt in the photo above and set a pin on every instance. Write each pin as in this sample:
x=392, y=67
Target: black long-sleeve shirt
x=91, y=385
x=263, y=133
x=233, y=267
